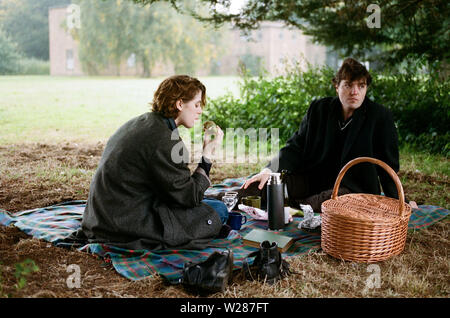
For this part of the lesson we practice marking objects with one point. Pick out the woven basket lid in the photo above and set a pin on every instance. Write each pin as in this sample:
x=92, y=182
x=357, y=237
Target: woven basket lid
x=367, y=207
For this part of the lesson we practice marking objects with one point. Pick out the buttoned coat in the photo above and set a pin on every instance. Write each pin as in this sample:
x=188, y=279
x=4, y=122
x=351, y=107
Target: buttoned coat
x=143, y=195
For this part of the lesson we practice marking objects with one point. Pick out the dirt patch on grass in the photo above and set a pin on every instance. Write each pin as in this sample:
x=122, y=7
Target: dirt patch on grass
x=426, y=189
x=38, y=175
x=98, y=279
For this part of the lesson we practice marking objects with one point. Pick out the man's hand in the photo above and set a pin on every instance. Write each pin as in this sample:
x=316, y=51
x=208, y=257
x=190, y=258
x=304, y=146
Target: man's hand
x=261, y=177
x=211, y=140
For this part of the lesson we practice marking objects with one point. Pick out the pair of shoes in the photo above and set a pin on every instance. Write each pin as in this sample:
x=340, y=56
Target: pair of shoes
x=268, y=264
x=210, y=276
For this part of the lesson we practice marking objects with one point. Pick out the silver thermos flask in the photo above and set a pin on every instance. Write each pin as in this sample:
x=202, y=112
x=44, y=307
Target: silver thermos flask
x=275, y=202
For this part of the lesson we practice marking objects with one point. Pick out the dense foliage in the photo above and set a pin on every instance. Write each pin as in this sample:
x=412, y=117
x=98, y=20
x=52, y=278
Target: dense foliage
x=9, y=55
x=383, y=31
x=420, y=105
x=278, y=102
x=26, y=21
x=12, y=61
x=421, y=108
x=32, y=66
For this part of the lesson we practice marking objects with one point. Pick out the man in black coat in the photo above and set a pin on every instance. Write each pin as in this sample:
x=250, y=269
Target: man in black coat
x=334, y=131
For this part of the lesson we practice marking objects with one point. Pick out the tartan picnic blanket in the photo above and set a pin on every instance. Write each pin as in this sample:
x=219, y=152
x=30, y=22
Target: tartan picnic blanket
x=55, y=223
x=230, y=184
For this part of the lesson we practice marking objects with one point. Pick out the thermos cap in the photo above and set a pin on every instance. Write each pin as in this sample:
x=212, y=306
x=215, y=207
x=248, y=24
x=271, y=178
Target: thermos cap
x=275, y=178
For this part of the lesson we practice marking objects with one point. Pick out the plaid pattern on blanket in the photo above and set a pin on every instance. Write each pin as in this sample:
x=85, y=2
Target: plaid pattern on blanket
x=55, y=223
x=231, y=184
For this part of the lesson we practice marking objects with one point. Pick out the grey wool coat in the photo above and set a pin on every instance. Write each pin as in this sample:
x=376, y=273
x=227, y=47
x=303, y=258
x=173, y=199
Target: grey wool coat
x=140, y=198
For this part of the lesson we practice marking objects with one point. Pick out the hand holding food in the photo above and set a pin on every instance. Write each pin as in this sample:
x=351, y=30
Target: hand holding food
x=209, y=125
x=212, y=138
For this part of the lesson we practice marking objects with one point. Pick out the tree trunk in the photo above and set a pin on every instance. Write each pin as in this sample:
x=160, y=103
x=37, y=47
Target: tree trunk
x=145, y=67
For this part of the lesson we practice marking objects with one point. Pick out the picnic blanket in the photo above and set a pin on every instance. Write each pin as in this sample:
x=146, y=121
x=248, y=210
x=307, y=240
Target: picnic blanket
x=54, y=223
x=230, y=184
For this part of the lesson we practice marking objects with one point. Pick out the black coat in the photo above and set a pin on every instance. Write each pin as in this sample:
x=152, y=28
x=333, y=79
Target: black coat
x=312, y=149
x=140, y=198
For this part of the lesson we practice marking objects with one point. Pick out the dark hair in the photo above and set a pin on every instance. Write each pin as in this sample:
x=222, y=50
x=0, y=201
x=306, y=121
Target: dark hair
x=351, y=70
x=173, y=89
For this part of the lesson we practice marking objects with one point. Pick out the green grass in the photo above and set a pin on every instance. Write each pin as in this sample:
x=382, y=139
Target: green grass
x=424, y=163
x=61, y=174
x=78, y=109
x=425, y=177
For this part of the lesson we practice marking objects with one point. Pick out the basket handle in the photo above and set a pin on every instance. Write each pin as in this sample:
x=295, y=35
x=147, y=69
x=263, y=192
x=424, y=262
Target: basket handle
x=388, y=169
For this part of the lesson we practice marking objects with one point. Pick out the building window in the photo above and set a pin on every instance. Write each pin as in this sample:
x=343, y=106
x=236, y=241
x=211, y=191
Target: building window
x=131, y=62
x=70, y=62
x=260, y=36
x=245, y=37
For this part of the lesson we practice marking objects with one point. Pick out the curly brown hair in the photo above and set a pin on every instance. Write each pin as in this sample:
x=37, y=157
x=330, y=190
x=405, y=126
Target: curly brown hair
x=351, y=70
x=174, y=88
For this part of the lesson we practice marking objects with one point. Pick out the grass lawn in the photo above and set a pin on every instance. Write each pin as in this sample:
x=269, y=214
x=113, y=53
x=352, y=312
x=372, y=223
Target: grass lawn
x=78, y=109
x=52, y=134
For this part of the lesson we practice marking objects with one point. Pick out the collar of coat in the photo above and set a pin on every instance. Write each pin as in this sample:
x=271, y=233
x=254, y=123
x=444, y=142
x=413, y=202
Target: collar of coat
x=170, y=123
x=358, y=119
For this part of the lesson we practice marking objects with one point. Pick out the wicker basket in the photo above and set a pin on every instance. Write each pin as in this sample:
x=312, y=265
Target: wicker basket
x=364, y=227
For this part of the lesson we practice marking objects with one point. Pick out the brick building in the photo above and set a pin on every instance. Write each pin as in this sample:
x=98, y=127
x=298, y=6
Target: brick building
x=63, y=48
x=271, y=45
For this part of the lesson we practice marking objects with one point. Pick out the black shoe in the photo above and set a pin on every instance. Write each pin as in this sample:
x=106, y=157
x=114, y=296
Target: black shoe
x=210, y=276
x=268, y=264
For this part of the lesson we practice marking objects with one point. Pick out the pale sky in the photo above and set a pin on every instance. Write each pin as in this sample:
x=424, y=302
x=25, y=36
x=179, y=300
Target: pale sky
x=236, y=5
